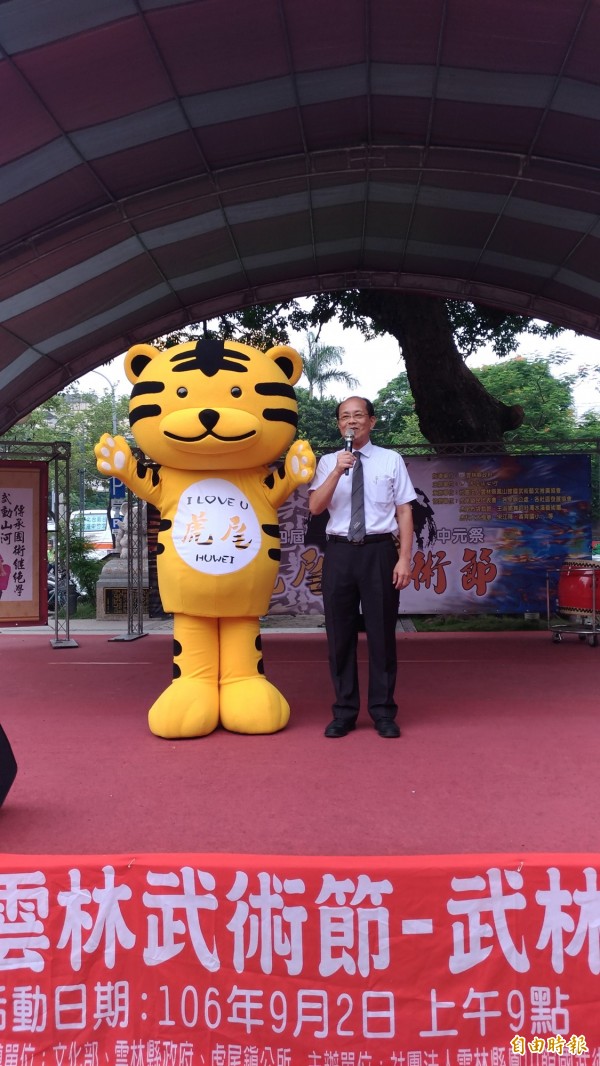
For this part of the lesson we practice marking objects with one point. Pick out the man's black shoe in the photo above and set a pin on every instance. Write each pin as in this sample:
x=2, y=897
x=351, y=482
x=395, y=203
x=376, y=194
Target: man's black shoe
x=339, y=728
x=387, y=727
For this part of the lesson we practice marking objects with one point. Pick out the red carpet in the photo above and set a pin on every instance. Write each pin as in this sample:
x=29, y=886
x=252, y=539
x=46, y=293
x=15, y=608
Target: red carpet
x=498, y=753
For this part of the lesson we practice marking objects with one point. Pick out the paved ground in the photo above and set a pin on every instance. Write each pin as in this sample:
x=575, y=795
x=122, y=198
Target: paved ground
x=118, y=626
x=277, y=623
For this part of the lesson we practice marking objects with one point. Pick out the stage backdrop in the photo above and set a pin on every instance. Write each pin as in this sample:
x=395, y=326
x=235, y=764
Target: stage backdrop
x=234, y=960
x=487, y=531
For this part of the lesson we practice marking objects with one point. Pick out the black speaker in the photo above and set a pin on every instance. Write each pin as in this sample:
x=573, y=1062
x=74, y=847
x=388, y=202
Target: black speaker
x=8, y=766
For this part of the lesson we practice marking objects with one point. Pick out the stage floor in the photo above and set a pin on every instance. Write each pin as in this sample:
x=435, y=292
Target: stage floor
x=498, y=753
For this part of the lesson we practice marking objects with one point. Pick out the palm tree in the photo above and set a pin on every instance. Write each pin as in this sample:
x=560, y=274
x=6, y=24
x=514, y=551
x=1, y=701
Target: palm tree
x=320, y=366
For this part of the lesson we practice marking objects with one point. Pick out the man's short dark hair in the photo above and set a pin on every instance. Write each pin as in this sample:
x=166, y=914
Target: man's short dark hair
x=369, y=406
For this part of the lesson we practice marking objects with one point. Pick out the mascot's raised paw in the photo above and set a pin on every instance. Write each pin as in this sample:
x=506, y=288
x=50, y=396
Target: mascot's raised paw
x=113, y=455
x=300, y=463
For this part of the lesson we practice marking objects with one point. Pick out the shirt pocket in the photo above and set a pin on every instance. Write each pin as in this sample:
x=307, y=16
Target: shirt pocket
x=383, y=492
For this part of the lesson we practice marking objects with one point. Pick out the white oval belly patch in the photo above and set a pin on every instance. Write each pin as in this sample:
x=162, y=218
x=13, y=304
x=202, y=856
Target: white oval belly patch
x=215, y=529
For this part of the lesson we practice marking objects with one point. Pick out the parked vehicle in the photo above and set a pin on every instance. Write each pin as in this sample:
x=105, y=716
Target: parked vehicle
x=95, y=526
x=73, y=592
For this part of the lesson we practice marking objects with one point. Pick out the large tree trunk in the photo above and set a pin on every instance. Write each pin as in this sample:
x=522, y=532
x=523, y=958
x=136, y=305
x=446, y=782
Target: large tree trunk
x=451, y=404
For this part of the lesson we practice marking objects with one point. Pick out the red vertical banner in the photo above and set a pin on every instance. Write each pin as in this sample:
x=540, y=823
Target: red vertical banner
x=487, y=960
x=23, y=542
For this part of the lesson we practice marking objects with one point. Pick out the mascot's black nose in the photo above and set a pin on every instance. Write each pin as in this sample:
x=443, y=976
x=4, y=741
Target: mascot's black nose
x=209, y=418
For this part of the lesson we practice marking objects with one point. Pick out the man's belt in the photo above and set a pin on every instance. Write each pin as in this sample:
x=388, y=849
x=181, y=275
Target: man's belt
x=371, y=538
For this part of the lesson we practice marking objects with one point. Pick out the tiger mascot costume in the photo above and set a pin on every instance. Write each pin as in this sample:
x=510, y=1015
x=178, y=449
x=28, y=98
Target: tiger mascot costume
x=212, y=416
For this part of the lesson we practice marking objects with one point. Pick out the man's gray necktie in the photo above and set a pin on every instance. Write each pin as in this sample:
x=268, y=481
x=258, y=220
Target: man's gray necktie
x=357, y=529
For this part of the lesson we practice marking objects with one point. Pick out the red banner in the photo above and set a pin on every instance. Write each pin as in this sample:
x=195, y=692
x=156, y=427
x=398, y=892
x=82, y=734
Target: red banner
x=176, y=960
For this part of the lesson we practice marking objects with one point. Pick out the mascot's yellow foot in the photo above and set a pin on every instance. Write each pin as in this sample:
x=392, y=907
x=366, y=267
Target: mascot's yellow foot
x=187, y=708
x=253, y=706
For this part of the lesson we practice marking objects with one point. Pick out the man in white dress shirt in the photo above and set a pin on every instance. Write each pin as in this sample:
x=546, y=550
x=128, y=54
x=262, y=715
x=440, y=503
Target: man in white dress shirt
x=368, y=556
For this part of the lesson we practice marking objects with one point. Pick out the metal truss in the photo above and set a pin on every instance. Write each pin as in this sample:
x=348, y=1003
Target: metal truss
x=57, y=455
x=556, y=446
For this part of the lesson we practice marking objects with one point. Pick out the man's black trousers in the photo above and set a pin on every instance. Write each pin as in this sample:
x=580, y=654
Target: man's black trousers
x=355, y=577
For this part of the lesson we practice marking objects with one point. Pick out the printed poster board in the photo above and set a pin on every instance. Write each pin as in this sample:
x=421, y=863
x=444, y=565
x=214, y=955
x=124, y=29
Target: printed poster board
x=487, y=531
x=23, y=543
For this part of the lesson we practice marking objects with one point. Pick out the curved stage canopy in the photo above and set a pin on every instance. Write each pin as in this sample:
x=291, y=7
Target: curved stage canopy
x=163, y=161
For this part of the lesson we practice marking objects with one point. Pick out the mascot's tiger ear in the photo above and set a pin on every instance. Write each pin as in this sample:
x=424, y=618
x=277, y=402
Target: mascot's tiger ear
x=288, y=360
x=137, y=358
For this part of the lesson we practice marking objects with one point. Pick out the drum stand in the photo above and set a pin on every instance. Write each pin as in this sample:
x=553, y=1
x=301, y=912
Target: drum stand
x=584, y=625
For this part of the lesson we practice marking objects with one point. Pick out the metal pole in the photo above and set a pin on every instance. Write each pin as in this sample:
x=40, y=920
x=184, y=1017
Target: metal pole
x=135, y=572
x=62, y=577
x=112, y=388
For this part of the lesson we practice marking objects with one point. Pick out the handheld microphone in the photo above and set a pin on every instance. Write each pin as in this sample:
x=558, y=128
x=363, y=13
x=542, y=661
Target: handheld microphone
x=348, y=438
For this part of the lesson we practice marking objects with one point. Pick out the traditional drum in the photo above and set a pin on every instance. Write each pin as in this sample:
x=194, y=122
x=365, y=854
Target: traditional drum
x=579, y=587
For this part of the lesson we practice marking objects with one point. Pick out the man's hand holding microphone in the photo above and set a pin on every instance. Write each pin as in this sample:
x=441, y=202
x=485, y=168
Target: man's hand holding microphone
x=345, y=458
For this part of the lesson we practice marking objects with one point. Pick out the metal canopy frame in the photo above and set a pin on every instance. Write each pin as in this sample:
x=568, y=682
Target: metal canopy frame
x=168, y=161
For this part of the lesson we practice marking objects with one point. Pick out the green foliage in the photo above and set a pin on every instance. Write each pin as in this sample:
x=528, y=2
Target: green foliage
x=344, y=306
x=546, y=400
x=79, y=418
x=589, y=428
x=84, y=568
x=476, y=623
x=322, y=366
x=409, y=434
x=83, y=565
x=397, y=422
x=262, y=326
x=85, y=609
x=475, y=325
x=589, y=425
x=316, y=422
